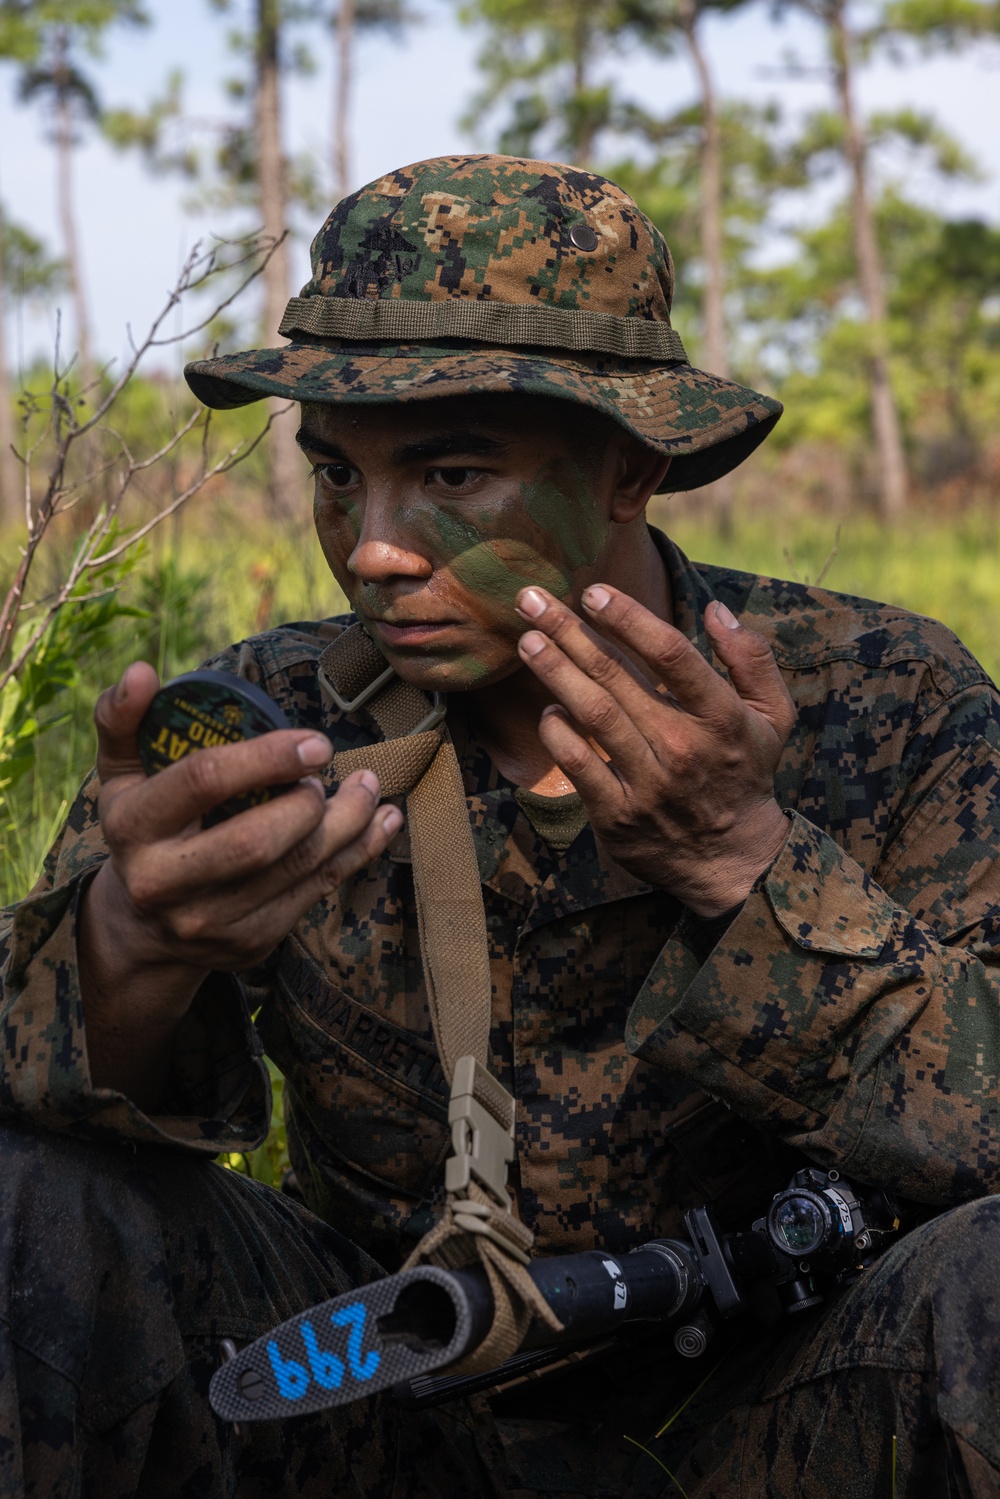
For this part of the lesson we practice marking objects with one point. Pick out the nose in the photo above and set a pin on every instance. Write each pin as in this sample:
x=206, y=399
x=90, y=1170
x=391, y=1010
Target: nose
x=384, y=549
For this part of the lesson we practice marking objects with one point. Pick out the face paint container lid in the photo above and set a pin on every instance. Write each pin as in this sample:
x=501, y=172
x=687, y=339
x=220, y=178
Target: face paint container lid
x=200, y=710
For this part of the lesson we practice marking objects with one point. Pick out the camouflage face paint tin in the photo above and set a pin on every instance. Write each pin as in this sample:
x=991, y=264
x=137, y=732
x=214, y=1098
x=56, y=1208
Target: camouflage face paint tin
x=203, y=709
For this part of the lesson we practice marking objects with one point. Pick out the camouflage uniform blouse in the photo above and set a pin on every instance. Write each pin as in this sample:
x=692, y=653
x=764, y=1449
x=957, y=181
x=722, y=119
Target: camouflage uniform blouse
x=850, y=1010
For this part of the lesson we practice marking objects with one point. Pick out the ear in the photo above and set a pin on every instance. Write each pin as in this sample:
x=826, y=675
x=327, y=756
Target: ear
x=640, y=474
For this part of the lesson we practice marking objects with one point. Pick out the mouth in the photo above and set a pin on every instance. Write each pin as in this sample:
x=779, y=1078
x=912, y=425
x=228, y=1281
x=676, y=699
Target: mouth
x=417, y=632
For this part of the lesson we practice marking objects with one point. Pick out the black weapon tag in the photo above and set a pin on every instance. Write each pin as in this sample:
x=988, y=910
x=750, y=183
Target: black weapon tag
x=343, y=1350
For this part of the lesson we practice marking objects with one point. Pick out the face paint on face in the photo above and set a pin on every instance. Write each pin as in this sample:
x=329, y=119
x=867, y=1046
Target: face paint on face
x=546, y=537
x=424, y=558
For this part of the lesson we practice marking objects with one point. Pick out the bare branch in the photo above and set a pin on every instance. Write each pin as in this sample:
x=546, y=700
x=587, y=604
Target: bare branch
x=235, y=455
x=63, y=428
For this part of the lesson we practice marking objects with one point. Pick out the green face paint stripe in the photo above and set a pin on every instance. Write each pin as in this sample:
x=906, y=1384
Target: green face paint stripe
x=569, y=515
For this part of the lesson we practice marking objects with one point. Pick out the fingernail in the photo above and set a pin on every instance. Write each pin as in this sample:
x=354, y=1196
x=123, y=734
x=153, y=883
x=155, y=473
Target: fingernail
x=121, y=688
x=726, y=617
x=532, y=643
x=532, y=603
x=596, y=598
x=314, y=751
x=392, y=821
x=369, y=780
x=316, y=783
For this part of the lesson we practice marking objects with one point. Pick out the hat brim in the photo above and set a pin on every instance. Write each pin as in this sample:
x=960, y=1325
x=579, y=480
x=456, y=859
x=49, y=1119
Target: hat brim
x=705, y=424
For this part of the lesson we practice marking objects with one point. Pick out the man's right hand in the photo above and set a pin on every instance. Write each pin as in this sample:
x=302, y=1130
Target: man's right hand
x=175, y=902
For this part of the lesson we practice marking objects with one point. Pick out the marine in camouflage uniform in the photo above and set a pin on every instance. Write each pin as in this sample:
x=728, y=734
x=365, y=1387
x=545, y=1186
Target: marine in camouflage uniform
x=845, y=1013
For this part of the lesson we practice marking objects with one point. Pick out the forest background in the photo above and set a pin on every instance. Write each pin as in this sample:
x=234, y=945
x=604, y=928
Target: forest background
x=824, y=171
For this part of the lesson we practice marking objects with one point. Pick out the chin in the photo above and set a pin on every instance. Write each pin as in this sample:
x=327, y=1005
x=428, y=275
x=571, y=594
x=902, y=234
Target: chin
x=451, y=674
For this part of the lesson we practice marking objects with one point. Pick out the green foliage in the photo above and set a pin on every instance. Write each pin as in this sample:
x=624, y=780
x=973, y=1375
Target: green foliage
x=269, y=1162
x=944, y=328
x=756, y=166
x=943, y=23
x=537, y=59
x=26, y=26
x=33, y=702
x=27, y=270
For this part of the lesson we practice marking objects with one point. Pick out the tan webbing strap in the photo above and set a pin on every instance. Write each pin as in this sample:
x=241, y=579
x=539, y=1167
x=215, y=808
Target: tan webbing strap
x=477, y=1226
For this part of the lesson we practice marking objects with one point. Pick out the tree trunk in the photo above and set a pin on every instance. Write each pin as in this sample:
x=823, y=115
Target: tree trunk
x=67, y=218
x=11, y=481
x=346, y=18
x=885, y=417
x=582, y=144
x=715, y=343
x=286, y=471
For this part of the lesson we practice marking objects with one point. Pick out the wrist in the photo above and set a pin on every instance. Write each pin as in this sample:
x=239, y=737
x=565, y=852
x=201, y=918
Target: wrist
x=732, y=876
x=121, y=959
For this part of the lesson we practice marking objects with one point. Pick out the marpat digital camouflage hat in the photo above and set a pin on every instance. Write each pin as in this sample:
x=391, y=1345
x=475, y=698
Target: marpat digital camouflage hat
x=469, y=274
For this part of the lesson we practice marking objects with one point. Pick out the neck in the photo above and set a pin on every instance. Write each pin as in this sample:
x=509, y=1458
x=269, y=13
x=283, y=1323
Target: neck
x=504, y=717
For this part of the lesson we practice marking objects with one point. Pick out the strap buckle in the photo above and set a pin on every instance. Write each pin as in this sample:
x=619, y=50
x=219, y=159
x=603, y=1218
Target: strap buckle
x=351, y=705
x=483, y=1148
x=438, y=709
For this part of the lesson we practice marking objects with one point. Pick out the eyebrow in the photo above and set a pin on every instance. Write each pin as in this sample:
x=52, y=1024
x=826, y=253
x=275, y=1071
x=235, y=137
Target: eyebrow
x=443, y=445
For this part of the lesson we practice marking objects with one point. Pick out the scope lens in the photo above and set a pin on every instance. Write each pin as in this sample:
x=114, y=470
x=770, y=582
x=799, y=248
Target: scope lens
x=799, y=1224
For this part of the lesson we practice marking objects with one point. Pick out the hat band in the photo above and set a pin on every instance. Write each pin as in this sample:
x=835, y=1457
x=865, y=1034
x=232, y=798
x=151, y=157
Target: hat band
x=398, y=320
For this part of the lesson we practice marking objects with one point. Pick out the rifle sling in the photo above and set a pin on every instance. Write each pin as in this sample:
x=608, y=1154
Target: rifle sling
x=477, y=1226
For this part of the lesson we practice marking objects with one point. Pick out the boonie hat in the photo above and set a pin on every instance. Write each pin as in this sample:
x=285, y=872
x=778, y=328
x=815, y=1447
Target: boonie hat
x=474, y=274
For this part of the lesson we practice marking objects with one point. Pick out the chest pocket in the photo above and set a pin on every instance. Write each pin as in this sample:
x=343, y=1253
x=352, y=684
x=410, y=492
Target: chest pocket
x=373, y=1093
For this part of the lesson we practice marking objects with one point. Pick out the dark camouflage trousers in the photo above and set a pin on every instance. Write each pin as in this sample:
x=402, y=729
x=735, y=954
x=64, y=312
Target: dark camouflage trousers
x=123, y=1269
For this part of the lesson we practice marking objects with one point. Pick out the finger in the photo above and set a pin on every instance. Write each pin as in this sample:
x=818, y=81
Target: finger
x=600, y=658
x=674, y=659
x=752, y=668
x=249, y=932
x=598, y=712
x=351, y=817
x=117, y=716
x=351, y=857
x=166, y=803
x=591, y=775
x=200, y=907
x=589, y=679
x=232, y=851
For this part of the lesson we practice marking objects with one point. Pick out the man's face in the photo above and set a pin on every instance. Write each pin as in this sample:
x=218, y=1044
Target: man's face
x=434, y=514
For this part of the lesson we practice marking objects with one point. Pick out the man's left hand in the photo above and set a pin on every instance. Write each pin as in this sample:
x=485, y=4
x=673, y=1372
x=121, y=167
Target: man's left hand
x=683, y=794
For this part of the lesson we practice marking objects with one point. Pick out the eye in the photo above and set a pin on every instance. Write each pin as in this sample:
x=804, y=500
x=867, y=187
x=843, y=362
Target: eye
x=455, y=478
x=336, y=475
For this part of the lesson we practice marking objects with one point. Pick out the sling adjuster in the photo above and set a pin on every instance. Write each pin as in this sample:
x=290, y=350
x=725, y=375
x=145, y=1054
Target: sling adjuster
x=439, y=708
x=351, y=705
x=483, y=1148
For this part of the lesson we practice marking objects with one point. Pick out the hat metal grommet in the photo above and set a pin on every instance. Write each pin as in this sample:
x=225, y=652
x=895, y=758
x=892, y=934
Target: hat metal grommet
x=583, y=237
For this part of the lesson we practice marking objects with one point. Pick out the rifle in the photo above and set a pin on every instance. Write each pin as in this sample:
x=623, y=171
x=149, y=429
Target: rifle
x=399, y=1332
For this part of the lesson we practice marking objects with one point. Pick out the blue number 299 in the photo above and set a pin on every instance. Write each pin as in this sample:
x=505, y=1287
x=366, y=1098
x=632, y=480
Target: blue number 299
x=353, y=1317
x=326, y=1368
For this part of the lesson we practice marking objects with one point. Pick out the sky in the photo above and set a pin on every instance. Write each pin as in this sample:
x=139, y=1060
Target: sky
x=408, y=101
